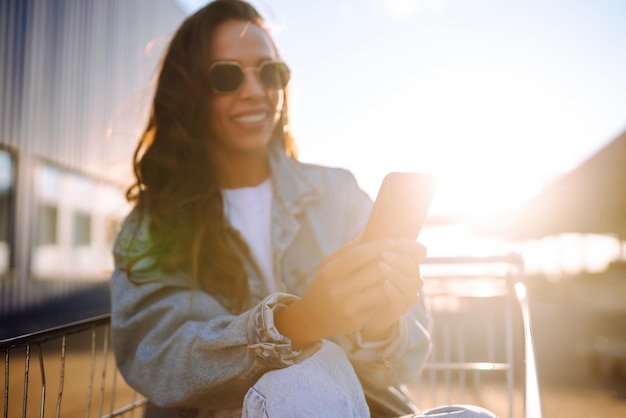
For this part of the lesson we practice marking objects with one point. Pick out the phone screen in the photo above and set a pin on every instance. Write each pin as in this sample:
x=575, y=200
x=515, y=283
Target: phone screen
x=401, y=206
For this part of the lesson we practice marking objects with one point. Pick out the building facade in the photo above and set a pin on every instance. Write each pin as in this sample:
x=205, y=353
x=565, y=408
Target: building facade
x=75, y=87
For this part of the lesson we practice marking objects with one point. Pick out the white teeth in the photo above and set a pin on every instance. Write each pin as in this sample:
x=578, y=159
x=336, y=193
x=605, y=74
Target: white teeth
x=250, y=118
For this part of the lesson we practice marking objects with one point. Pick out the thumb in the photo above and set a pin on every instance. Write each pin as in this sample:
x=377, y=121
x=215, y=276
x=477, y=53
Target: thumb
x=341, y=251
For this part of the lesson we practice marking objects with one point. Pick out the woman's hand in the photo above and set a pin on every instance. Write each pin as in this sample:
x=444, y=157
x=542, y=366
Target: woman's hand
x=401, y=283
x=351, y=291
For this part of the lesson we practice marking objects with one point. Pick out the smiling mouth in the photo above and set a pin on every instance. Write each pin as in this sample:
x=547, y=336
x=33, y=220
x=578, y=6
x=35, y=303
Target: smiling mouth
x=255, y=118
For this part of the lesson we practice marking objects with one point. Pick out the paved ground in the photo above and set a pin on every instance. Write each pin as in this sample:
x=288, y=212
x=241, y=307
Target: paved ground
x=590, y=400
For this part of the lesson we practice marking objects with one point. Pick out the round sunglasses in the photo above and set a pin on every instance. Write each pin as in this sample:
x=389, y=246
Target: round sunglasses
x=228, y=76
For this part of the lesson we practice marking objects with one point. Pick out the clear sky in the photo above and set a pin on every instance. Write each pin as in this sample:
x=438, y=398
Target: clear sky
x=495, y=96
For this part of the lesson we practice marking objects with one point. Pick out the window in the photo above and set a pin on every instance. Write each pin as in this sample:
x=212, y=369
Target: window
x=82, y=229
x=76, y=218
x=6, y=209
x=47, y=224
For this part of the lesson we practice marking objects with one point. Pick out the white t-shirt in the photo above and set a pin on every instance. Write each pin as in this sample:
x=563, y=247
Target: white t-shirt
x=249, y=211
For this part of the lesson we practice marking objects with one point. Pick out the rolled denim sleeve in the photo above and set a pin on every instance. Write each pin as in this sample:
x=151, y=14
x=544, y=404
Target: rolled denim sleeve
x=270, y=348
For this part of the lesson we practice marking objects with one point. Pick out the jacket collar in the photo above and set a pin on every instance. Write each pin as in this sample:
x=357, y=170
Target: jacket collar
x=291, y=184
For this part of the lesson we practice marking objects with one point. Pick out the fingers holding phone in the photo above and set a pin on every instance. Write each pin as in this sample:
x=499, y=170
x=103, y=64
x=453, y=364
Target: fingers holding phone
x=402, y=268
x=342, y=293
x=399, y=284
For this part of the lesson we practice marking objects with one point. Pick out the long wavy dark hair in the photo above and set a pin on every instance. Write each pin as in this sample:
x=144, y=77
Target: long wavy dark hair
x=176, y=184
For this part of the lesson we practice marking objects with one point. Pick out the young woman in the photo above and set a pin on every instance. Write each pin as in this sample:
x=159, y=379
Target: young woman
x=241, y=287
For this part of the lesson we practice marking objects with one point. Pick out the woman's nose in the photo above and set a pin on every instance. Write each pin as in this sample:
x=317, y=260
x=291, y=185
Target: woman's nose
x=251, y=84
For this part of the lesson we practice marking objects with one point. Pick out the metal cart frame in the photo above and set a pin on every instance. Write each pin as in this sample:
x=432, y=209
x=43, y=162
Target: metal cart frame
x=481, y=334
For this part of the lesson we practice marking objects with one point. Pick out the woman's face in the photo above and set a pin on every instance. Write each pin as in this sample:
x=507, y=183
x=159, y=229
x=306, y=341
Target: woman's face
x=243, y=121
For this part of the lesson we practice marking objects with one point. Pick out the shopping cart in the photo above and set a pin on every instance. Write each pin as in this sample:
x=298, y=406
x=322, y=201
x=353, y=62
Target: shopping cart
x=482, y=352
x=482, y=343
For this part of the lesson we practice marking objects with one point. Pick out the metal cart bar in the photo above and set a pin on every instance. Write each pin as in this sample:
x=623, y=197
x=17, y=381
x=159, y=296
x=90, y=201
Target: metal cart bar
x=96, y=360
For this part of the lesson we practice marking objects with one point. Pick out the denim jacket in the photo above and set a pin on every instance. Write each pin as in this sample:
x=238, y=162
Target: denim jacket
x=183, y=348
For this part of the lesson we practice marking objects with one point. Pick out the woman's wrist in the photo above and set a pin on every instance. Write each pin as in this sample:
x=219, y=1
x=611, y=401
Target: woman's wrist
x=294, y=323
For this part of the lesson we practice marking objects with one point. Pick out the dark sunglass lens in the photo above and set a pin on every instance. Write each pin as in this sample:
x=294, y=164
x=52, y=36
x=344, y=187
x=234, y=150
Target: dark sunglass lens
x=226, y=78
x=274, y=75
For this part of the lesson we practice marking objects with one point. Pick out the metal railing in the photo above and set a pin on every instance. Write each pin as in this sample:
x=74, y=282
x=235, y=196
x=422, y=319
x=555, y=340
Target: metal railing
x=86, y=376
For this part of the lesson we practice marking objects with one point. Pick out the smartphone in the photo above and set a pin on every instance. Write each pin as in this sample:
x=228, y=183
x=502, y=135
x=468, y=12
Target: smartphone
x=401, y=206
